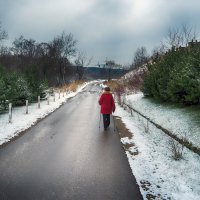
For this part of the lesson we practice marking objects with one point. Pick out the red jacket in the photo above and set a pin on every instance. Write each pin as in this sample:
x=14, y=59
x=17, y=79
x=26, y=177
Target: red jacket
x=107, y=103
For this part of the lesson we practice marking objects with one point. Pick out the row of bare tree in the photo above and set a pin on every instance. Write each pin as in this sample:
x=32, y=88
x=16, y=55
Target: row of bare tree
x=52, y=59
x=176, y=37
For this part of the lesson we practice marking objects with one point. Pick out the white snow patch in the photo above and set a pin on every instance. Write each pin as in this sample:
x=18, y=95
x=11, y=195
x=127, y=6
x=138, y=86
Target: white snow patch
x=175, y=120
x=22, y=121
x=154, y=166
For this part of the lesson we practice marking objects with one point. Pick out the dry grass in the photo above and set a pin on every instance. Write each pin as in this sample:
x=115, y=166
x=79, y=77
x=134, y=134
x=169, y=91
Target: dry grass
x=118, y=88
x=71, y=87
x=131, y=83
x=114, y=85
x=176, y=149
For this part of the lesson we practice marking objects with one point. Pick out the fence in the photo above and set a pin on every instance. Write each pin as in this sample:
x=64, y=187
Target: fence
x=184, y=142
x=27, y=111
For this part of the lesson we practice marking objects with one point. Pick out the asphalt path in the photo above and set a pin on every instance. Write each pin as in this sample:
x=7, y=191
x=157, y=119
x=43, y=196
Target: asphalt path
x=66, y=157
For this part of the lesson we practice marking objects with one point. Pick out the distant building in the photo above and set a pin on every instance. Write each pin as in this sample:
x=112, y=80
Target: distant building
x=194, y=44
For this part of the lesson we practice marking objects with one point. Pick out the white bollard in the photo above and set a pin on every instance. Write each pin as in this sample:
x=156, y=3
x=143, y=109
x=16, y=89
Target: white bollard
x=59, y=94
x=10, y=113
x=54, y=97
x=26, y=106
x=48, y=99
x=63, y=94
x=131, y=112
x=38, y=101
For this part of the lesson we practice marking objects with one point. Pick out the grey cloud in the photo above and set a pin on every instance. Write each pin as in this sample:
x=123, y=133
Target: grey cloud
x=104, y=28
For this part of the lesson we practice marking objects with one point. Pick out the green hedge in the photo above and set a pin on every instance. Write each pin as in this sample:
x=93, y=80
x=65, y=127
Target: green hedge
x=175, y=77
x=17, y=88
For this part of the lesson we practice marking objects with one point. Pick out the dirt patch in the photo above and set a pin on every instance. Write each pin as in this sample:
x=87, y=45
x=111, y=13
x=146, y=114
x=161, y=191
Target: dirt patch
x=124, y=132
x=132, y=149
x=145, y=185
x=182, y=141
x=121, y=128
x=151, y=196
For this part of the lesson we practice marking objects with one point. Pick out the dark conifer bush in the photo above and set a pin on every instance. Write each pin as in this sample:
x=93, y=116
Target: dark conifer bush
x=175, y=77
x=17, y=88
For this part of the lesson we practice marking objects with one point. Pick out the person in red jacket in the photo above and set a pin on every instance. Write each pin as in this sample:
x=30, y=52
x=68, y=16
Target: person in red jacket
x=107, y=104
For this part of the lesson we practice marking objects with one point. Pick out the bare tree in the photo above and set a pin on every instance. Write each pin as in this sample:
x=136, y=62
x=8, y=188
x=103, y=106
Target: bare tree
x=158, y=51
x=140, y=57
x=69, y=48
x=42, y=50
x=82, y=59
x=177, y=37
x=174, y=37
x=110, y=64
x=42, y=58
x=62, y=48
x=24, y=47
x=3, y=34
x=81, y=62
x=189, y=34
x=52, y=59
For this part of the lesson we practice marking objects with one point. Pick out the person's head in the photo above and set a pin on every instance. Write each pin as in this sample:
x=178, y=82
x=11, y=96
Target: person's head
x=107, y=89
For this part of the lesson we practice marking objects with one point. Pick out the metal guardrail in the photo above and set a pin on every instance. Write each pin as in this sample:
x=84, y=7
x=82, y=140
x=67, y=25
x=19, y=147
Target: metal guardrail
x=183, y=142
x=47, y=98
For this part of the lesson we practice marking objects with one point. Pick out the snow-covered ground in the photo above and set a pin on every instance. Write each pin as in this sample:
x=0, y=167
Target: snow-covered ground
x=22, y=121
x=176, y=120
x=158, y=174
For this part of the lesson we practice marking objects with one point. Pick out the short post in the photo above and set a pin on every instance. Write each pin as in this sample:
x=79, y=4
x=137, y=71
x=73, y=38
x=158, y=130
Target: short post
x=59, y=94
x=63, y=93
x=54, y=97
x=123, y=102
x=115, y=96
x=26, y=106
x=10, y=113
x=119, y=99
x=131, y=112
x=114, y=123
x=38, y=101
x=48, y=99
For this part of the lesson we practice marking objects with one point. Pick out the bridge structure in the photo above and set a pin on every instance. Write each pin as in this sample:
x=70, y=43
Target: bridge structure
x=101, y=71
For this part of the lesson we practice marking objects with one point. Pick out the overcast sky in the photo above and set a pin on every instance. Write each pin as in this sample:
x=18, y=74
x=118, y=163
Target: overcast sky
x=111, y=29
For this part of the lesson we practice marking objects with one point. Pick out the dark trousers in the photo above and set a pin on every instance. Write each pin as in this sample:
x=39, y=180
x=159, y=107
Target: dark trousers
x=106, y=120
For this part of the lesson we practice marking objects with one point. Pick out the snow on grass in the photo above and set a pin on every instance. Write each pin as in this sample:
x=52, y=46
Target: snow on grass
x=22, y=121
x=157, y=173
x=176, y=120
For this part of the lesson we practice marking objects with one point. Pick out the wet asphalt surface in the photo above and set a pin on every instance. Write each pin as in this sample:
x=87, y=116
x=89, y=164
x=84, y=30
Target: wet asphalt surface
x=66, y=157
